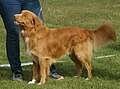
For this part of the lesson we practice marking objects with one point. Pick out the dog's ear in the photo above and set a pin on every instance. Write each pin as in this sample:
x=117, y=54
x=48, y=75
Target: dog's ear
x=38, y=23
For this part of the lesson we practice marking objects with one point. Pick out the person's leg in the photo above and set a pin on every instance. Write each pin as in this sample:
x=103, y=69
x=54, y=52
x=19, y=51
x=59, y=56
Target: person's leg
x=53, y=69
x=8, y=9
x=54, y=74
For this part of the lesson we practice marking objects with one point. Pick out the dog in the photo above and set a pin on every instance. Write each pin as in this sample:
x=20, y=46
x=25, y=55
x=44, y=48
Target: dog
x=47, y=45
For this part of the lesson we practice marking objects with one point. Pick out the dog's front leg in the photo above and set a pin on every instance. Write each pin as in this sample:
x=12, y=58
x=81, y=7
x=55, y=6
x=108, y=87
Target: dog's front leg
x=42, y=71
x=35, y=73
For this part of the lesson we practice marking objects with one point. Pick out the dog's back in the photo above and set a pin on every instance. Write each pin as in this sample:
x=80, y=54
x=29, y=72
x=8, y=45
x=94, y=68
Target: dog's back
x=65, y=39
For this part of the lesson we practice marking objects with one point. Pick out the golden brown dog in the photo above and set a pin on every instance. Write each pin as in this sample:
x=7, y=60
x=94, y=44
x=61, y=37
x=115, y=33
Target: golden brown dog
x=46, y=45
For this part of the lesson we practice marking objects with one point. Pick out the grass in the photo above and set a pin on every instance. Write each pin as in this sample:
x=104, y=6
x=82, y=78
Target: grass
x=88, y=14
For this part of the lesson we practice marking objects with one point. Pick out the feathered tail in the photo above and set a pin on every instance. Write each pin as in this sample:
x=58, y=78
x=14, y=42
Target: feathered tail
x=102, y=35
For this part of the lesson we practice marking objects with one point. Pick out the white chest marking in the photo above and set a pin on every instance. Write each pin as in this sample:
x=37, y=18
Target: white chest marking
x=27, y=46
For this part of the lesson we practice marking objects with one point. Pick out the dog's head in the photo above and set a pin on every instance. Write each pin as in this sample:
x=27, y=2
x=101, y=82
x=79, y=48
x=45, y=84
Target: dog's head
x=27, y=20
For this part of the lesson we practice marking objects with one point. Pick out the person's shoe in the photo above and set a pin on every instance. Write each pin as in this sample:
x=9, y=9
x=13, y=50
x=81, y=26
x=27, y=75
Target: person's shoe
x=17, y=76
x=56, y=76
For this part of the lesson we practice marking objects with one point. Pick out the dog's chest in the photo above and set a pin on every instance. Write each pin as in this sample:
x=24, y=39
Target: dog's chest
x=28, y=50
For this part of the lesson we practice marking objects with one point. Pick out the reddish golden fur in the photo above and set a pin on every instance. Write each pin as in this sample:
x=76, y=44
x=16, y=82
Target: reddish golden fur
x=47, y=45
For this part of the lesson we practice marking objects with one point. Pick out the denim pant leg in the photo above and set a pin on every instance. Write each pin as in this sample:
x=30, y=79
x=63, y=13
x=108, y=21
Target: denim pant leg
x=52, y=69
x=8, y=9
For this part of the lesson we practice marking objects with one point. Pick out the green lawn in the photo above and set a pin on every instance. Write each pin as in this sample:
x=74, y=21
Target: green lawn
x=88, y=14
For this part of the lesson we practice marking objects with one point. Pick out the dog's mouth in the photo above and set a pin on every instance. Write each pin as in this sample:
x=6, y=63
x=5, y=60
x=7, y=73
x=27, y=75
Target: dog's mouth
x=15, y=22
x=18, y=23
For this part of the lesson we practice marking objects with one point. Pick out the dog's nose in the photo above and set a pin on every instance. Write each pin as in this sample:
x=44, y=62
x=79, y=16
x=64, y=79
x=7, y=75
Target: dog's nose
x=14, y=17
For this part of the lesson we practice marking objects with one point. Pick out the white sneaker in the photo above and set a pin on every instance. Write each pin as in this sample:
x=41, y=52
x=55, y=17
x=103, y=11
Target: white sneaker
x=57, y=76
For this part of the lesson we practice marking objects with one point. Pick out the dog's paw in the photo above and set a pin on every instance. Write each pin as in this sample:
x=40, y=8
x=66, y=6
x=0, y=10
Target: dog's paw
x=87, y=79
x=40, y=83
x=32, y=82
x=75, y=76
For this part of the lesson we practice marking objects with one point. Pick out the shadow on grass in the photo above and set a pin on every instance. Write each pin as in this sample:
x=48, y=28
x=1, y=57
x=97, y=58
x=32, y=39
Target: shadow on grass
x=5, y=73
x=105, y=74
x=69, y=70
x=114, y=47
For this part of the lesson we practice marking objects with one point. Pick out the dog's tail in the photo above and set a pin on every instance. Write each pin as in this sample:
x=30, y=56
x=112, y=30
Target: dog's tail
x=103, y=35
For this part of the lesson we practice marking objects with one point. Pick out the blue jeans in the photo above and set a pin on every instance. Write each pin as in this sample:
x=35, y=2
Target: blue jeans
x=8, y=8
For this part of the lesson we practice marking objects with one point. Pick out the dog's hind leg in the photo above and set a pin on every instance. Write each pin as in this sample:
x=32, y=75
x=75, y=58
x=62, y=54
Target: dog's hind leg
x=85, y=61
x=83, y=53
x=77, y=62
